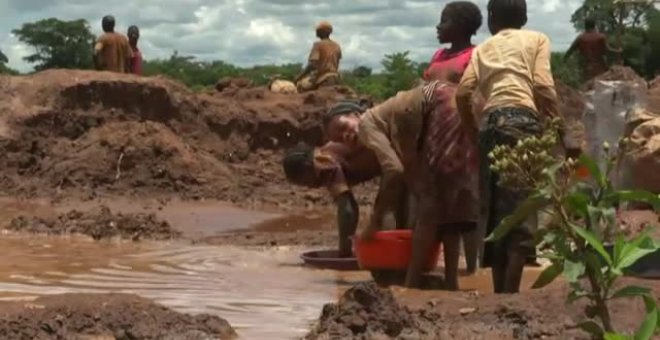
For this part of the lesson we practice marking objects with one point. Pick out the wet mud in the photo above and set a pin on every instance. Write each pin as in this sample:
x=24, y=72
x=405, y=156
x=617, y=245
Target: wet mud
x=99, y=223
x=105, y=316
x=80, y=134
x=370, y=312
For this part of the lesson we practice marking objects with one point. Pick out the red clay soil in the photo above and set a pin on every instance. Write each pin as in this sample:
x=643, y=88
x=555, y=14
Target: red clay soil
x=99, y=223
x=369, y=312
x=654, y=96
x=620, y=73
x=87, y=134
x=79, y=133
x=104, y=316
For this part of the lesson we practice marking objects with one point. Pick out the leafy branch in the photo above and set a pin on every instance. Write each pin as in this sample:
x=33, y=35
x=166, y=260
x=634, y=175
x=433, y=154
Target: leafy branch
x=584, y=242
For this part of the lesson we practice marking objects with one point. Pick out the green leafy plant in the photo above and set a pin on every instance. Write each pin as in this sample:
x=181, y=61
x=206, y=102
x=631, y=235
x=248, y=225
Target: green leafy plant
x=583, y=241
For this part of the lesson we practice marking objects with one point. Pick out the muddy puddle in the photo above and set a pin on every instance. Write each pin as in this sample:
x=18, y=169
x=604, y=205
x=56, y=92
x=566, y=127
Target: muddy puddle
x=263, y=294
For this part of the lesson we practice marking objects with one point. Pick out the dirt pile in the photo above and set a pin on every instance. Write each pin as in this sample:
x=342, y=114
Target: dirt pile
x=618, y=73
x=368, y=312
x=112, y=316
x=654, y=96
x=99, y=223
x=86, y=133
x=571, y=102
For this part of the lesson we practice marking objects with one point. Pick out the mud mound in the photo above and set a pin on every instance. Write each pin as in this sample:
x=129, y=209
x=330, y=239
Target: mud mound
x=88, y=134
x=100, y=223
x=111, y=316
x=618, y=73
x=654, y=96
x=367, y=312
x=571, y=101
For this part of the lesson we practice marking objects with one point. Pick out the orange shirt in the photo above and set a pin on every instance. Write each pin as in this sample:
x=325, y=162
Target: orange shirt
x=326, y=54
x=113, y=51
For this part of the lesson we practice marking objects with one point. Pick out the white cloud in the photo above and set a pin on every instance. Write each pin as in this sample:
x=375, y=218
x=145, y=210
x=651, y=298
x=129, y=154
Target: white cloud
x=247, y=32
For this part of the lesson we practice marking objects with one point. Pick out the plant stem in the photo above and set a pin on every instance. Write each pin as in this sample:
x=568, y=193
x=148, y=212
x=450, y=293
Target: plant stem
x=599, y=300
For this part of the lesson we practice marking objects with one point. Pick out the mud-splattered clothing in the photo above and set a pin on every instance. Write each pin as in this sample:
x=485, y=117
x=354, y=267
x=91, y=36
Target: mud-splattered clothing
x=399, y=132
x=512, y=72
x=326, y=54
x=444, y=61
x=504, y=126
x=113, y=52
x=511, y=69
x=340, y=168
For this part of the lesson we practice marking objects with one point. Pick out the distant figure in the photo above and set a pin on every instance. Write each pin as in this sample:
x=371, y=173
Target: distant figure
x=136, y=61
x=593, y=47
x=323, y=65
x=112, y=52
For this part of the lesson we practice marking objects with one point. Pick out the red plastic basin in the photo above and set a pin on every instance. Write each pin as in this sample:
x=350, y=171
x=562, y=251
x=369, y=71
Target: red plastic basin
x=390, y=250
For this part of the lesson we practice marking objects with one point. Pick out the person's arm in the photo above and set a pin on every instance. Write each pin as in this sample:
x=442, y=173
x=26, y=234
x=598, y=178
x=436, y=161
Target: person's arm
x=129, y=56
x=611, y=48
x=464, y=95
x=392, y=180
x=348, y=213
x=312, y=63
x=98, y=47
x=545, y=95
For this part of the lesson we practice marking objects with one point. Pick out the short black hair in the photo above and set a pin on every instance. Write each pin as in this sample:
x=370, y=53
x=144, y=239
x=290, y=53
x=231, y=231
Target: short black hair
x=297, y=160
x=133, y=28
x=466, y=14
x=589, y=23
x=508, y=13
x=108, y=23
x=344, y=108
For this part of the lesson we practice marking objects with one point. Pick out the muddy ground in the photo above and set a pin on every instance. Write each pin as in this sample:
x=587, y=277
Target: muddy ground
x=104, y=317
x=369, y=312
x=70, y=137
x=80, y=134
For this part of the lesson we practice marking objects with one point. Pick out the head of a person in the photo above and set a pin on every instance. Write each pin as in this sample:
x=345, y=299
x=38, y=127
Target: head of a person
x=460, y=20
x=506, y=14
x=108, y=23
x=341, y=123
x=323, y=30
x=133, y=34
x=590, y=24
x=298, y=164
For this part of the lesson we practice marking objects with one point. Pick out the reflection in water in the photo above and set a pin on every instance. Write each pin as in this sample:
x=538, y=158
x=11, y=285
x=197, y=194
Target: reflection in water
x=263, y=294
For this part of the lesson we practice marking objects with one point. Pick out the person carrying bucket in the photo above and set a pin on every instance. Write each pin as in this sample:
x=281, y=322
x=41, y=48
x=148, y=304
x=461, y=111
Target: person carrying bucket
x=420, y=144
x=339, y=168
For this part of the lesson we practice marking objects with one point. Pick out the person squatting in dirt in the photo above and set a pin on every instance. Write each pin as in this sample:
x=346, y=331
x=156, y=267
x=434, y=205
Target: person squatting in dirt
x=338, y=168
x=112, y=51
x=511, y=70
x=593, y=48
x=323, y=63
x=421, y=146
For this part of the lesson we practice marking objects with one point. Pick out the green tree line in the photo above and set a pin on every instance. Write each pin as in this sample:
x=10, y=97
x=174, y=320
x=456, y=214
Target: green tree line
x=68, y=44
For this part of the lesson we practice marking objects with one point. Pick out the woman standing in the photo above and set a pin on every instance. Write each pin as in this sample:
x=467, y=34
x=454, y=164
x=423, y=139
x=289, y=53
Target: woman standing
x=459, y=22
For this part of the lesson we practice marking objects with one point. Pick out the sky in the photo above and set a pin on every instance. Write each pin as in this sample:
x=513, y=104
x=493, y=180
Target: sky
x=250, y=32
